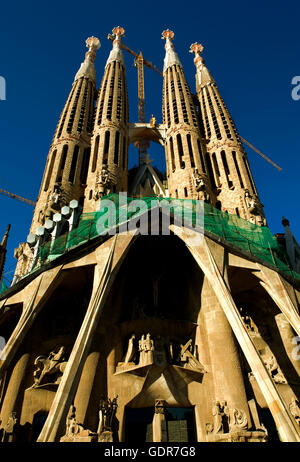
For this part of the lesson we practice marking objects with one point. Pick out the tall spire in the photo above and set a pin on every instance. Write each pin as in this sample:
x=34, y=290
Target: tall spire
x=87, y=68
x=171, y=56
x=185, y=161
x=3, y=251
x=109, y=145
x=68, y=158
x=116, y=53
x=227, y=161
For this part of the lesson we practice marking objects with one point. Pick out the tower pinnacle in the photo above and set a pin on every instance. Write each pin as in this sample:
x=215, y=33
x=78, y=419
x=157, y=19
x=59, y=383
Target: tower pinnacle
x=3, y=251
x=203, y=75
x=171, y=57
x=116, y=53
x=87, y=68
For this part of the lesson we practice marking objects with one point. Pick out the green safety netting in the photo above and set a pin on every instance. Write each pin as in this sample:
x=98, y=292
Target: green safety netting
x=116, y=210
x=3, y=287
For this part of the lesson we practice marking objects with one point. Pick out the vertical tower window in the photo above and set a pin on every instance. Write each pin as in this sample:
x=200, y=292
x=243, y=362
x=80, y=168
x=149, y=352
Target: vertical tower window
x=237, y=168
x=116, y=153
x=50, y=170
x=96, y=148
x=226, y=168
x=62, y=164
x=201, y=156
x=74, y=107
x=106, y=147
x=180, y=151
x=74, y=164
x=249, y=175
x=210, y=170
x=85, y=165
x=185, y=192
x=124, y=152
x=172, y=154
x=188, y=138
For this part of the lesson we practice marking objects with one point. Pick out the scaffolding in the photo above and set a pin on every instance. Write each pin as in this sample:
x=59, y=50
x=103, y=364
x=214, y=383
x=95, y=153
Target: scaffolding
x=256, y=241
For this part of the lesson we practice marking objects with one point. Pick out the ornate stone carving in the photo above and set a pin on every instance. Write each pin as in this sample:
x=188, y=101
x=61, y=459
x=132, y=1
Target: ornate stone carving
x=238, y=420
x=200, y=184
x=295, y=410
x=159, y=350
x=146, y=348
x=102, y=183
x=49, y=369
x=72, y=427
x=9, y=430
x=255, y=208
x=107, y=413
x=274, y=369
x=75, y=432
x=131, y=350
x=226, y=420
x=160, y=405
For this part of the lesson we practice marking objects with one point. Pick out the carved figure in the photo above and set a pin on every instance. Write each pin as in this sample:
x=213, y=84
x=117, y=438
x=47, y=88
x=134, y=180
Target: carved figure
x=102, y=183
x=200, y=184
x=187, y=357
x=8, y=434
x=107, y=412
x=130, y=350
x=152, y=121
x=72, y=427
x=55, y=363
x=55, y=196
x=274, y=369
x=217, y=417
x=295, y=410
x=238, y=420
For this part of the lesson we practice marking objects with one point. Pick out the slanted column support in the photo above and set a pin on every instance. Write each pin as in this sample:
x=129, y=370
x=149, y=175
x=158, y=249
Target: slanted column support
x=109, y=257
x=201, y=252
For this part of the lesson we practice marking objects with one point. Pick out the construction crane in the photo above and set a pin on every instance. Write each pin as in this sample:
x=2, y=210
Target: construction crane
x=19, y=198
x=261, y=154
x=139, y=63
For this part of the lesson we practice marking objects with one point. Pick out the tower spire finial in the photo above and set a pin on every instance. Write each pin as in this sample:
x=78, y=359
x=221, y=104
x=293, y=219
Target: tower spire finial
x=116, y=53
x=197, y=48
x=3, y=252
x=203, y=75
x=87, y=68
x=171, y=57
x=5, y=238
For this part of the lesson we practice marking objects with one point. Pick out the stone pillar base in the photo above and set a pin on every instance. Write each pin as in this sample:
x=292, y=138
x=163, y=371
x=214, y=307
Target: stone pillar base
x=105, y=437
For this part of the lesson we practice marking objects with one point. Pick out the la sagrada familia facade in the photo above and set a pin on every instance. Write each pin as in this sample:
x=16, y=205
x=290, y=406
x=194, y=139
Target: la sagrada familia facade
x=137, y=337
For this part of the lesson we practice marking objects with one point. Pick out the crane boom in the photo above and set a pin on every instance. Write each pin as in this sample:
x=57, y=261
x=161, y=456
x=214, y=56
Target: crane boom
x=19, y=198
x=140, y=62
x=261, y=154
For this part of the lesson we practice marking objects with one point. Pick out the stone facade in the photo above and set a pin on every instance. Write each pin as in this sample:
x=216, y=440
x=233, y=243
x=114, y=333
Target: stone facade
x=137, y=338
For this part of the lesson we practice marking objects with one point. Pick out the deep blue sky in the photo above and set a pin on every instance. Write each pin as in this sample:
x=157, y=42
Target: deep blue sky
x=251, y=47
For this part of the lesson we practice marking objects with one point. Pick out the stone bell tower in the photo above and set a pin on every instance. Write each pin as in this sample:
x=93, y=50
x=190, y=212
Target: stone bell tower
x=186, y=165
x=229, y=169
x=108, y=166
x=68, y=159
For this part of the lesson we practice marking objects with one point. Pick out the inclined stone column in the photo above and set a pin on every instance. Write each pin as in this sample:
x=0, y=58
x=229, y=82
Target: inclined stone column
x=224, y=356
x=13, y=389
x=83, y=394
